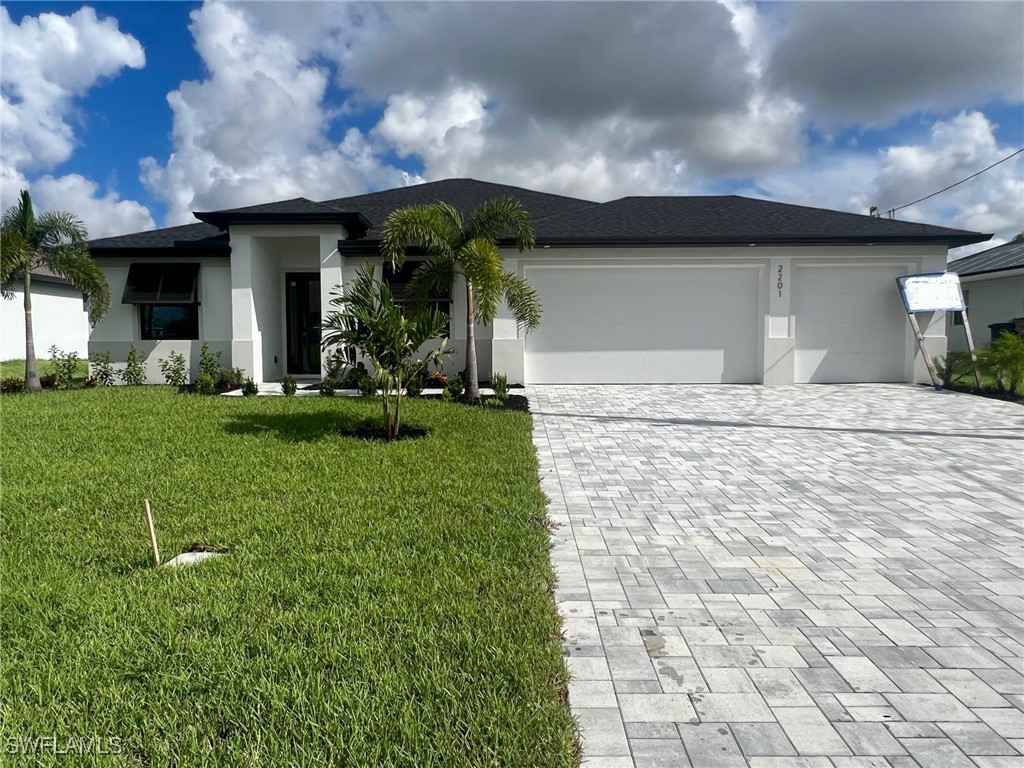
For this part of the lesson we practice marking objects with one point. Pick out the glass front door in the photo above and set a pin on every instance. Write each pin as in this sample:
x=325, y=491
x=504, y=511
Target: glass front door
x=302, y=304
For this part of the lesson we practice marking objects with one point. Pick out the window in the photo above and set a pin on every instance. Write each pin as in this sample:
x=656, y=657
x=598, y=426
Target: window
x=958, y=318
x=398, y=280
x=167, y=298
x=169, y=321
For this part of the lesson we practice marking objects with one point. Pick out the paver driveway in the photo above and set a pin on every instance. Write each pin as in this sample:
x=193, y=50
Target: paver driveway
x=805, y=576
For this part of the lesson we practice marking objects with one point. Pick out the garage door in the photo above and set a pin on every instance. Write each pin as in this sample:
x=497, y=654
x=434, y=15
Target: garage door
x=850, y=325
x=637, y=324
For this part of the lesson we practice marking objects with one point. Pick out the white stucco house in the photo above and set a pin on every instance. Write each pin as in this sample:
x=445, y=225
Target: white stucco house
x=637, y=290
x=993, y=285
x=59, y=317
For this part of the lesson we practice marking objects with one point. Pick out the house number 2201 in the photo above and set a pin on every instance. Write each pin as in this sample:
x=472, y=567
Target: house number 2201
x=779, y=283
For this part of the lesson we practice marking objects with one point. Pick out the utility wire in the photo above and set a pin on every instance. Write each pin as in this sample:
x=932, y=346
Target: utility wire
x=891, y=211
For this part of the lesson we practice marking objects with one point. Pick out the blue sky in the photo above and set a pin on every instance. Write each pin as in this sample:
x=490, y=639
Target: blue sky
x=813, y=103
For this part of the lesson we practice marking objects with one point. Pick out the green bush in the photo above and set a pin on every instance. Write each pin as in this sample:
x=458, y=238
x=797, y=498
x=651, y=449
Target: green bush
x=91, y=382
x=48, y=381
x=65, y=365
x=232, y=378
x=249, y=388
x=493, y=402
x=368, y=386
x=103, y=369
x=415, y=387
x=454, y=388
x=499, y=383
x=205, y=385
x=209, y=363
x=328, y=387
x=174, y=369
x=134, y=373
x=13, y=385
x=289, y=386
x=1003, y=360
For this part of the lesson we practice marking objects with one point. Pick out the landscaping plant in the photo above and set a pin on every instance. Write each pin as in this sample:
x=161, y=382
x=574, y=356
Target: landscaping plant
x=12, y=385
x=250, y=388
x=328, y=387
x=435, y=380
x=1003, y=360
x=65, y=365
x=367, y=386
x=469, y=249
x=499, y=383
x=209, y=363
x=454, y=388
x=174, y=369
x=134, y=373
x=369, y=321
x=205, y=385
x=103, y=369
x=289, y=386
x=55, y=241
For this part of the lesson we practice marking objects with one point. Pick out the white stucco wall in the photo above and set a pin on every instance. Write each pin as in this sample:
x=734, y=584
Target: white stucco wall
x=120, y=329
x=58, y=318
x=996, y=298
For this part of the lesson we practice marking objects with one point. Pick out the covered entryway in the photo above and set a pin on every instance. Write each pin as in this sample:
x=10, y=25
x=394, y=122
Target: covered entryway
x=850, y=324
x=645, y=324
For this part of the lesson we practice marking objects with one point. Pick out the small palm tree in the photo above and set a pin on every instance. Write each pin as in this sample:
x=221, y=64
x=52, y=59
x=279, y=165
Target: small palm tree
x=469, y=249
x=57, y=241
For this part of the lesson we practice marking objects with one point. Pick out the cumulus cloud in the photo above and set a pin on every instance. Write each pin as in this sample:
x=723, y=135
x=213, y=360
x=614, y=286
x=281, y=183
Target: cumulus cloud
x=876, y=62
x=46, y=63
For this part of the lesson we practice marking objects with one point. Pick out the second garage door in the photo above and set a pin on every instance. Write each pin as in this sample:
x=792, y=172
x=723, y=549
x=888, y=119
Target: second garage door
x=645, y=325
x=850, y=325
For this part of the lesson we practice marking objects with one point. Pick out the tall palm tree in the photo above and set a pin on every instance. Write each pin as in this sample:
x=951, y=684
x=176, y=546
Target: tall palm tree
x=56, y=241
x=469, y=249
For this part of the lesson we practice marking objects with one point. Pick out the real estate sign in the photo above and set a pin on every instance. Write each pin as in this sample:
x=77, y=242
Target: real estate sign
x=931, y=292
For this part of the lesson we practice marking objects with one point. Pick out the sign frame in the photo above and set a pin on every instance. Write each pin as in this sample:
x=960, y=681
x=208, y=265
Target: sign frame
x=914, y=303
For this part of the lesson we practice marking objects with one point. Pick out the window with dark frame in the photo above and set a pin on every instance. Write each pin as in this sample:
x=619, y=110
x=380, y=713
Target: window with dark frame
x=167, y=299
x=398, y=281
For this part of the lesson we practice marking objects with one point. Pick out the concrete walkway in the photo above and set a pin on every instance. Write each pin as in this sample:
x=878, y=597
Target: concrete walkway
x=805, y=577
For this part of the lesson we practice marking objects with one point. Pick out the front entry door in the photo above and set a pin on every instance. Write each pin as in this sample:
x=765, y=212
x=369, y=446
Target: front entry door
x=302, y=304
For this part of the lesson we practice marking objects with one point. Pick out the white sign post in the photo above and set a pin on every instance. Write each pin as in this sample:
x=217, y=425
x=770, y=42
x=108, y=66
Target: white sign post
x=935, y=292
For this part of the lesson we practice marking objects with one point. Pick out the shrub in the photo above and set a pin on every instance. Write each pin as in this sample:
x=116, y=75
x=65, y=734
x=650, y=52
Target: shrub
x=91, y=382
x=174, y=369
x=436, y=380
x=328, y=387
x=354, y=375
x=368, y=386
x=209, y=363
x=414, y=388
x=493, y=402
x=1003, y=360
x=65, y=366
x=48, y=381
x=231, y=378
x=455, y=387
x=103, y=369
x=13, y=385
x=205, y=385
x=249, y=388
x=134, y=373
x=289, y=386
x=499, y=383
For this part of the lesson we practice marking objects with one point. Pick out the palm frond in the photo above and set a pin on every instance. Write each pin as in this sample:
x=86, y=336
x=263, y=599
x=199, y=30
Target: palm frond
x=431, y=279
x=15, y=257
x=500, y=217
x=72, y=261
x=522, y=300
x=55, y=228
x=483, y=267
x=20, y=217
x=425, y=226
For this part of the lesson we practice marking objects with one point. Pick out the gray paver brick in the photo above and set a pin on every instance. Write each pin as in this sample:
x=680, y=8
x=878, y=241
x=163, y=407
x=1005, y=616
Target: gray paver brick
x=810, y=731
x=869, y=739
x=866, y=539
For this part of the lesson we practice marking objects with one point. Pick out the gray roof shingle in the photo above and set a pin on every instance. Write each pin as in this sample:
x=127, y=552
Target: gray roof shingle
x=194, y=234
x=998, y=259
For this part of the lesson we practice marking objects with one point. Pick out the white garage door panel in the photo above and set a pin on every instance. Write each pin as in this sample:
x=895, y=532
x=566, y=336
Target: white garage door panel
x=850, y=325
x=619, y=325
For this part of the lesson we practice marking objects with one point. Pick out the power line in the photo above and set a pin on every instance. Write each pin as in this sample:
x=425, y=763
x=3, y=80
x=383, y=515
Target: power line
x=891, y=211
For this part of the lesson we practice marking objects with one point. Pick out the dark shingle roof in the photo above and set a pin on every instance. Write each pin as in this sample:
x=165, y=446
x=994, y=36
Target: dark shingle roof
x=731, y=219
x=1002, y=257
x=464, y=194
x=296, y=205
x=298, y=210
x=186, y=235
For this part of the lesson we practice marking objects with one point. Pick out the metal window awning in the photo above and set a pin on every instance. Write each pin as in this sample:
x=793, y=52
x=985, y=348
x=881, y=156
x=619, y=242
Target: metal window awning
x=148, y=283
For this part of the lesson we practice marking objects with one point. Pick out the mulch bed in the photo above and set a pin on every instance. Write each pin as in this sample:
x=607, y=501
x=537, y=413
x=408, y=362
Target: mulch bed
x=989, y=393
x=375, y=431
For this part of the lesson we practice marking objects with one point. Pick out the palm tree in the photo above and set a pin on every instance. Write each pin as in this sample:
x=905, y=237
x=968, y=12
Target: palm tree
x=468, y=249
x=56, y=241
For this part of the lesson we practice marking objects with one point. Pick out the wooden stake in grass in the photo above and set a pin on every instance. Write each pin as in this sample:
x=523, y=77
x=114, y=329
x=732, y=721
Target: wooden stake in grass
x=152, y=532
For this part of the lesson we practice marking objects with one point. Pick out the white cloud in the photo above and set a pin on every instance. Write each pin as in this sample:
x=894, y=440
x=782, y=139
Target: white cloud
x=46, y=63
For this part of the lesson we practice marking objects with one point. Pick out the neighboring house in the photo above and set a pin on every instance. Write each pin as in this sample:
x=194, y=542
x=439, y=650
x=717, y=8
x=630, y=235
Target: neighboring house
x=993, y=286
x=637, y=290
x=59, y=318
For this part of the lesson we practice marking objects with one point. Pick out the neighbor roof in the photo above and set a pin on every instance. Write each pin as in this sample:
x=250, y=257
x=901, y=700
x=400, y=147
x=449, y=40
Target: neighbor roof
x=998, y=259
x=559, y=221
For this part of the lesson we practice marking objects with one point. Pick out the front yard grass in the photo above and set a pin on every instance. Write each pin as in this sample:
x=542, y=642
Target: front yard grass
x=383, y=604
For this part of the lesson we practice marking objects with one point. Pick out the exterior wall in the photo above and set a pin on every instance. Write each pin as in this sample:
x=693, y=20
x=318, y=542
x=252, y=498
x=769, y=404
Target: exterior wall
x=58, y=318
x=121, y=328
x=996, y=298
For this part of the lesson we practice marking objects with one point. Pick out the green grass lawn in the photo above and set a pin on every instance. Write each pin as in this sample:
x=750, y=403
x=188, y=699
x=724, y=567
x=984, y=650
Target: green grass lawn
x=16, y=368
x=384, y=604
